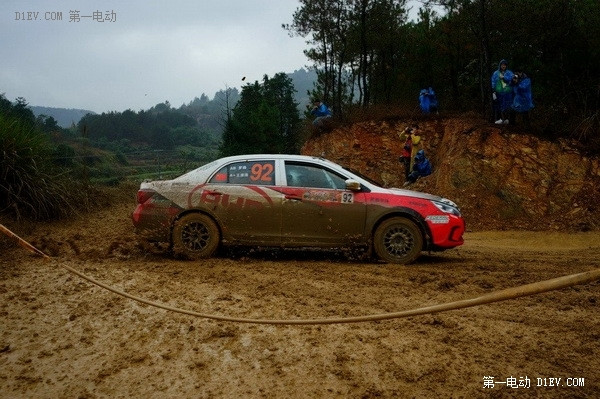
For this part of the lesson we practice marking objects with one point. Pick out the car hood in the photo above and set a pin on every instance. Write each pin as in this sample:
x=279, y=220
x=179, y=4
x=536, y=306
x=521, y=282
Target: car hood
x=416, y=194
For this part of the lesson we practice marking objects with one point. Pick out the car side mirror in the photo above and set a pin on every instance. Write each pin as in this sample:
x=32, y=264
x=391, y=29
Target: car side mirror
x=353, y=185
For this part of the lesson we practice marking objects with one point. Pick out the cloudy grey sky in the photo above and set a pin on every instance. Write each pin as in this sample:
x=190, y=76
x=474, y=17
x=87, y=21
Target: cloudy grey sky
x=116, y=55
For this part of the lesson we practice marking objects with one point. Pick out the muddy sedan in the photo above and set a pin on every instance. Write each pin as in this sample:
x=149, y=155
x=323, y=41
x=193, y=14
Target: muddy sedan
x=292, y=201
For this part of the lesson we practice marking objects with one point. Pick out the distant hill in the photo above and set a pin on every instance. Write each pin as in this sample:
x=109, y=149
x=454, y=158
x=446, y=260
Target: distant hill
x=63, y=116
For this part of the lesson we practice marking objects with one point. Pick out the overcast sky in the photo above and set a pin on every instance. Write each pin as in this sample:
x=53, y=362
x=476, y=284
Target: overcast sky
x=109, y=55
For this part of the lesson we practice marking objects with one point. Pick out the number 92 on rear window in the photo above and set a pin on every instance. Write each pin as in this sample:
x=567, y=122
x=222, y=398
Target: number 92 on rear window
x=255, y=172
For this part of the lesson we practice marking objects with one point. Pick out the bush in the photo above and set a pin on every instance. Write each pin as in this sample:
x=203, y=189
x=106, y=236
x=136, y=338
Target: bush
x=30, y=185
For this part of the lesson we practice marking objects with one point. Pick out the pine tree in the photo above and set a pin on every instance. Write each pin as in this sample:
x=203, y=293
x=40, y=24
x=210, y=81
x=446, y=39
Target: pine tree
x=265, y=120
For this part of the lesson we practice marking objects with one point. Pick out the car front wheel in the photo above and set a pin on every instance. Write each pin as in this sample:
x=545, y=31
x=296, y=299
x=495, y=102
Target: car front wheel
x=398, y=240
x=195, y=236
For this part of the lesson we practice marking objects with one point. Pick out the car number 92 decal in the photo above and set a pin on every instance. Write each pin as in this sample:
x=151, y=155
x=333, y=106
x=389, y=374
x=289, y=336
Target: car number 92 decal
x=262, y=172
x=347, y=198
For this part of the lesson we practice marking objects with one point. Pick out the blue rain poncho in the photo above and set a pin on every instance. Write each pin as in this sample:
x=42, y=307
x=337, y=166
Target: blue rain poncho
x=523, y=100
x=428, y=101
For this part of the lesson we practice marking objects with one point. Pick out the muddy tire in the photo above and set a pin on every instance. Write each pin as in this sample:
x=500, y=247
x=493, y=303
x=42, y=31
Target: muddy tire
x=195, y=236
x=398, y=240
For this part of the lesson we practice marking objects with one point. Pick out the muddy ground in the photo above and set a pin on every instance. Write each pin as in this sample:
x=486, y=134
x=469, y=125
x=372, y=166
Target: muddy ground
x=63, y=337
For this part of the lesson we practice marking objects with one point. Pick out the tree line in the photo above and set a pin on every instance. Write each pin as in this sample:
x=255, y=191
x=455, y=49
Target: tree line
x=198, y=123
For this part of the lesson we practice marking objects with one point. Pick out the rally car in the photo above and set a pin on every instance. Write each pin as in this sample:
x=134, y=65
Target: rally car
x=292, y=201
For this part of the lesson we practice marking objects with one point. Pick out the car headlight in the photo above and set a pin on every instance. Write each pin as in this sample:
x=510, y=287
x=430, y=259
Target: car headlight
x=447, y=206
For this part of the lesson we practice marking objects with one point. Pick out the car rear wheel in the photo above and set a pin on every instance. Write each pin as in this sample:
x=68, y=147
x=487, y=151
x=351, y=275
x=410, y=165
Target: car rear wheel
x=195, y=236
x=398, y=240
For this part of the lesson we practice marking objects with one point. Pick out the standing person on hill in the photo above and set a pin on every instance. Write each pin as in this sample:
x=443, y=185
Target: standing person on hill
x=424, y=102
x=412, y=144
x=428, y=101
x=523, y=99
x=502, y=92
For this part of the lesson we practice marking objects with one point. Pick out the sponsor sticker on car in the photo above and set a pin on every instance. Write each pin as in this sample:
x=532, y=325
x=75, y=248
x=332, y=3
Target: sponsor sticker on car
x=328, y=196
x=438, y=219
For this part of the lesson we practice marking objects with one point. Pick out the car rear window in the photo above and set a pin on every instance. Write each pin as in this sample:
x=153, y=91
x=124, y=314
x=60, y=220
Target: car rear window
x=260, y=173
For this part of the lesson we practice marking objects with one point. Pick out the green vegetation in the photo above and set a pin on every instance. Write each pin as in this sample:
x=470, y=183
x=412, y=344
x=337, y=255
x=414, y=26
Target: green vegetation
x=265, y=120
x=31, y=185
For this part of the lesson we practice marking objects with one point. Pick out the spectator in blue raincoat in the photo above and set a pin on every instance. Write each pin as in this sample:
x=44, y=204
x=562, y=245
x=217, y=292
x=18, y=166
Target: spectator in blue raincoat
x=428, y=101
x=523, y=99
x=502, y=92
x=320, y=111
x=421, y=168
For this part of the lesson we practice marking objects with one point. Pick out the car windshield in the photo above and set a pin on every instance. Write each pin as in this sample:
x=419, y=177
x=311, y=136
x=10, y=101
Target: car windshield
x=357, y=173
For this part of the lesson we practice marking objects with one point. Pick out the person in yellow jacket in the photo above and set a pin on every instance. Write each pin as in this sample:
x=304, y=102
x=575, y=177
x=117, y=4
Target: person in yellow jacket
x=412, y=144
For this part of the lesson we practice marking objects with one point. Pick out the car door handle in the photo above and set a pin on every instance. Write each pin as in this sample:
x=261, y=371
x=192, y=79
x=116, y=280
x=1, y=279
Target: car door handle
x=293, y=197
x=211, y=192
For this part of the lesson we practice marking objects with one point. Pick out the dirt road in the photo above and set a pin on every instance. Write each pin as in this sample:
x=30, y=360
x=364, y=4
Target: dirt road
x=61, y=336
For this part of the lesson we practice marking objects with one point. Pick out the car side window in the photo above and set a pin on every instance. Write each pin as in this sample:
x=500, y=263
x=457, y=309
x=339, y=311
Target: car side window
x=314, y=176
x=261, y=173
